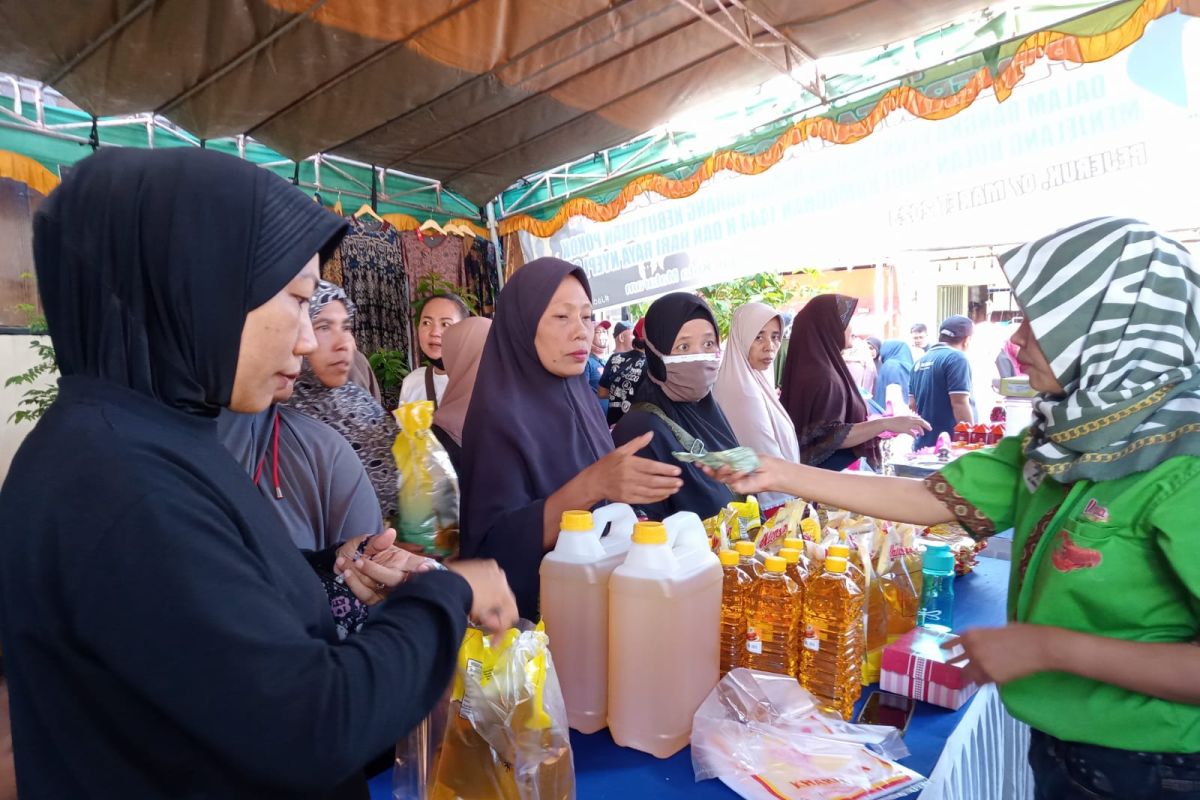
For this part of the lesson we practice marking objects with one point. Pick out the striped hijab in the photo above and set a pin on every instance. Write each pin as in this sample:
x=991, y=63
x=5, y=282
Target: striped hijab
x=1115, y=307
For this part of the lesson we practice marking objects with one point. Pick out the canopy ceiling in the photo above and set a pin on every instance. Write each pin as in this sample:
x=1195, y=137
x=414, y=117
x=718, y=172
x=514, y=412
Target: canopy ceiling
x=474, y=93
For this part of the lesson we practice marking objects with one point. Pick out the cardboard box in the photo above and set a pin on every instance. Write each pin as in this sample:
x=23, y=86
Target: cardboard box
x=915, y=666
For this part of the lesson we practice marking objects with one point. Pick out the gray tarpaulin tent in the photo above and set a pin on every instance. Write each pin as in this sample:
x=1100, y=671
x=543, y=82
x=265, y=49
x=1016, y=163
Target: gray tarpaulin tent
x=474, y=93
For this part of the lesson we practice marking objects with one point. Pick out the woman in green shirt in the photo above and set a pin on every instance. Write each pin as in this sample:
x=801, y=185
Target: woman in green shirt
x=1103, y=492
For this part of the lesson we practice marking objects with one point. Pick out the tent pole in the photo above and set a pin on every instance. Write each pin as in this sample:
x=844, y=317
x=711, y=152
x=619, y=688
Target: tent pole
x=494, y=234
x=374, y=188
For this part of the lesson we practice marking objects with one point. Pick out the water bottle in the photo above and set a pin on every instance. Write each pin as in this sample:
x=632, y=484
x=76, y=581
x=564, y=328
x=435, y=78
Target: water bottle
x=937, y=592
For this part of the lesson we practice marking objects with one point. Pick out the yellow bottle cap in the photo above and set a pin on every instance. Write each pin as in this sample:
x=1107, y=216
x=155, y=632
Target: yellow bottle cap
x=775, y=564
x=839, y=551
x=577, y=521
x=835, y=564
x=649, y=533
x=790, y=555
x=793, y=543
x=744, y=548
x=729, y=558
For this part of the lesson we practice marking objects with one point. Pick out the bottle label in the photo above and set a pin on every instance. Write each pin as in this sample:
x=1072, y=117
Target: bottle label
x=756, y=634
x=810, y=641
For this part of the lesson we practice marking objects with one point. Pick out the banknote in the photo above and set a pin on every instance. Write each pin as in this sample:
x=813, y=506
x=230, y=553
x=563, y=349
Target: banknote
x=739, y=459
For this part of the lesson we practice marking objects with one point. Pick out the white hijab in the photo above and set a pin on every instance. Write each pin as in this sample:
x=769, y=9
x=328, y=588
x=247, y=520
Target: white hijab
x=747, y=395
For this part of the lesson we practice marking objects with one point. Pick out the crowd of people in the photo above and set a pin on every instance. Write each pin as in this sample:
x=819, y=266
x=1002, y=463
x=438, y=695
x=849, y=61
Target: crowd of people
x=201, y=587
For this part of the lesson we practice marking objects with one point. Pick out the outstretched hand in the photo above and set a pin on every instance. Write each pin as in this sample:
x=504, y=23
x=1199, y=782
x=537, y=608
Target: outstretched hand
x=623, y=476
x=769, y=477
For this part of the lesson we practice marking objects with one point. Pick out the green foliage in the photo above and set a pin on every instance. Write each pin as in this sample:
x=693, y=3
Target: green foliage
x=725, y=298
x=433, y=284
x=37, y=398
x=390, y=368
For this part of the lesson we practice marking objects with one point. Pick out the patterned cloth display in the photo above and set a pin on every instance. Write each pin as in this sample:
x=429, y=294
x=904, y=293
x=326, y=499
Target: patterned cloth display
x=432, y=255
x=482, y=276
x=369, y=265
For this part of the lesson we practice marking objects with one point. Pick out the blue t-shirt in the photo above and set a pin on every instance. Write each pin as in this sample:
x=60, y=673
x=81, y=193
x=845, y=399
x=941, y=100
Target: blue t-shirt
x=595, y=371
x=939, y=372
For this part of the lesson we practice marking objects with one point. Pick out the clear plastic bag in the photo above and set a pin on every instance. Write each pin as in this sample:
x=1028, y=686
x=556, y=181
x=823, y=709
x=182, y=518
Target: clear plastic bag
x=417, y=755
x=428, y=485
x=506, y=733
x=764, y=737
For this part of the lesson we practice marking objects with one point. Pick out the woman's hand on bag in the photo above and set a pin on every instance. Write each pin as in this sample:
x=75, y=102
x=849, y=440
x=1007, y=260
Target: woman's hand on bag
x=623, y=476
x=493, y=607
x=910, y=424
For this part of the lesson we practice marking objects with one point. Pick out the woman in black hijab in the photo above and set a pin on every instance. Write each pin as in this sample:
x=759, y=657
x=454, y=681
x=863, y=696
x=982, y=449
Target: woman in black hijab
x=535, y=443
x=162, y=634
x=683, y=356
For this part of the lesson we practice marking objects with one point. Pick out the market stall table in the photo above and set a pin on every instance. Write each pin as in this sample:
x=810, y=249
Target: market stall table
x=607, y=772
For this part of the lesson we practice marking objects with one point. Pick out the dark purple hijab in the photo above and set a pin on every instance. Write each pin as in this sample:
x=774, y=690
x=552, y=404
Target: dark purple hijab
x=527, y=433
x=818, y=391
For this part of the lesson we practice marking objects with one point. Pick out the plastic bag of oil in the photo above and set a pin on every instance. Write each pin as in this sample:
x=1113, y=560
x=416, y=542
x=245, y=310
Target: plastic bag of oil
x=506, y=736
x=428, y=485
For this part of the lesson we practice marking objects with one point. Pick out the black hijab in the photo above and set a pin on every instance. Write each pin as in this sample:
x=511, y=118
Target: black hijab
x=160, y=309
x=703, y=420
x=527, y=432
x=184, y=627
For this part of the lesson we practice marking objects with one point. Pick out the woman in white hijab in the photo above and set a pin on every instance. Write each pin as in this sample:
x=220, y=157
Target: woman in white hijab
x=746, y=393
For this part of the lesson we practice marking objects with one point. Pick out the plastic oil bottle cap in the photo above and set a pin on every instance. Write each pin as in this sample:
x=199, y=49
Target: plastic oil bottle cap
x=576, y=521
x=744, y=548
x=729, y=558
x=649, y=533
x=938, y=560
x=793, y=543
x=835, y=564
x=839, y=551
x=790, y=555
x=775, y=564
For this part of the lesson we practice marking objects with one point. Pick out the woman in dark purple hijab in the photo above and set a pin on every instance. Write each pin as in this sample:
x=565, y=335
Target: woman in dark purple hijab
x=535, y=443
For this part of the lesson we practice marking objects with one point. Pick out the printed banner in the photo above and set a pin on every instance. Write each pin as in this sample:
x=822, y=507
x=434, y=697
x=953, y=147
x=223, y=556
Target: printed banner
x=1119, y=137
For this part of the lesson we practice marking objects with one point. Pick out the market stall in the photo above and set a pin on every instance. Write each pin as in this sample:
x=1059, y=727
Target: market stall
x=945, y=744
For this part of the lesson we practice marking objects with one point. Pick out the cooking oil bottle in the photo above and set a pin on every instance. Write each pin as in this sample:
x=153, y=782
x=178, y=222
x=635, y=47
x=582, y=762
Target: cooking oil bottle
x=842, y=550
x=900, y=593
x=735, y=585
x=773, y=623
x=796, y=571
x=832, y=643
x=804, y=568
x=746, y=560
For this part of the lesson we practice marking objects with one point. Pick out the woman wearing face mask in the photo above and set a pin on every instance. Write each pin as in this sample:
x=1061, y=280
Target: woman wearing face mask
x=546, y=448
x=324, y=391
x=745, y=390
x=821, y=396
x=674, y=401
x=437, y=314
x=159, y=628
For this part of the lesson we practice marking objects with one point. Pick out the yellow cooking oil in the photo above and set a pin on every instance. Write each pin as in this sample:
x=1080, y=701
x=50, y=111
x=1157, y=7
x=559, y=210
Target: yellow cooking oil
x=797, y=544
x=735, y=586
x=773, y=623
x=902, y=598
x=746, y=558
x=832, y=644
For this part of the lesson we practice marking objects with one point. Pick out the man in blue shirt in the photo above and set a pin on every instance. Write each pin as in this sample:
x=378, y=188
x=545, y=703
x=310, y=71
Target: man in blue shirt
x=595, y=365
x=941, y=381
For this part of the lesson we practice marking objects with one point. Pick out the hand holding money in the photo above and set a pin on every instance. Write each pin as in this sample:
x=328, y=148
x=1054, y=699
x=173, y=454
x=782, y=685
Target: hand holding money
x=738, y=459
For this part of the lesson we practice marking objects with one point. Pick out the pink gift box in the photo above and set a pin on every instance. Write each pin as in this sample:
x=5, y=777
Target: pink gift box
x=915, y=666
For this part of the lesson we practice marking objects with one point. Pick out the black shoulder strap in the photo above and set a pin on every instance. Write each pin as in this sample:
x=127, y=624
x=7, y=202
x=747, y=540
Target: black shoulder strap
x=430, y=392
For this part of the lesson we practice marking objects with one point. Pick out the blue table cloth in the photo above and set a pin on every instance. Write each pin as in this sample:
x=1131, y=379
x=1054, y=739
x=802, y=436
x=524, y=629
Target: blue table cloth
x=604, y=771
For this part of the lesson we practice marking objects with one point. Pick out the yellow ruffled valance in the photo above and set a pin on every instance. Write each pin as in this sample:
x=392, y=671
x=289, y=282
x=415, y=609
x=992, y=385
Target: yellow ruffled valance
x=1050, y=44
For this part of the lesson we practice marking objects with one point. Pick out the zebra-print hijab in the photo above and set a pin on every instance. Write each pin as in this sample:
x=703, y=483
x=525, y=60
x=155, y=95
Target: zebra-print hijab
x=1115, y=307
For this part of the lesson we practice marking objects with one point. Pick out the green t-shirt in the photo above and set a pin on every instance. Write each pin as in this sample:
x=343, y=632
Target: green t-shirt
x=1118, y=558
